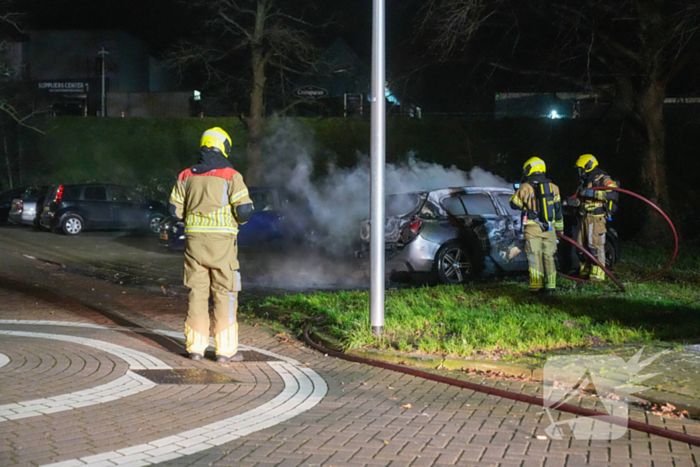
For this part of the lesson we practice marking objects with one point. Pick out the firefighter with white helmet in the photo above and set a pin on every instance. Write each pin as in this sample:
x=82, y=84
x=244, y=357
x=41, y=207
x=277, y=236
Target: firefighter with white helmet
x=213, y=200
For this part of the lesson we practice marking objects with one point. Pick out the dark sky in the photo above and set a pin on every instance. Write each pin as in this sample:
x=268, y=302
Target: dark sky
x=161, y=22
x=158, y=22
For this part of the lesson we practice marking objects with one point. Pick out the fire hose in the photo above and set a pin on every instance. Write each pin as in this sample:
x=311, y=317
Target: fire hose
x=607, y=272
x=568, y=408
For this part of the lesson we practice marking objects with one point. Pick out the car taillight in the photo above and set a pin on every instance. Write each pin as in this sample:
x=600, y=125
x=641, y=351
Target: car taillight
x=59, y=194
x=20, y=205
x=415, y=226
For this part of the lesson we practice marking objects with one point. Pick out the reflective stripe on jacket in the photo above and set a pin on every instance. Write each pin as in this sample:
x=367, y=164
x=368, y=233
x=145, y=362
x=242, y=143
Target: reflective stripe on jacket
x=206, y=200
x=597, y=206
x=524, y=200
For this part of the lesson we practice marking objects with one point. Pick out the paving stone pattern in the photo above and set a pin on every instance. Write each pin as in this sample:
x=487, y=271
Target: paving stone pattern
x=369, y=417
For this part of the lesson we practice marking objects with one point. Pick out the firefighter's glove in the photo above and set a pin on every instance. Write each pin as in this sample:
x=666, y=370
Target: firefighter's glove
x=572, y=201
x=588, y=193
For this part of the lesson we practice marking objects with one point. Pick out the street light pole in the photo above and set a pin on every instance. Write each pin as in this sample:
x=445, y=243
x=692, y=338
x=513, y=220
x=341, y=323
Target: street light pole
x=378, y=159
x=102, y=54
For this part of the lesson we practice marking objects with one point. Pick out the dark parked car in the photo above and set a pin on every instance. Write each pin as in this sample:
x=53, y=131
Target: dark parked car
x=6, y=198
x=27, y=207
x=73, y=208
x=278, y=219
x=457, y=234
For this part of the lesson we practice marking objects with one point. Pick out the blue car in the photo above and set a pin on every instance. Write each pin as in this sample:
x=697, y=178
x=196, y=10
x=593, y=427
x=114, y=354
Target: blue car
x=278, y=219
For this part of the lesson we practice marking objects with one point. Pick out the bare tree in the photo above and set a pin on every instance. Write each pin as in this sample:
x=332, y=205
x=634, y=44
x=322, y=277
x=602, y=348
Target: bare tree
x=455, y=22
x=268, y=35
x=15, y=109
x=640, y=46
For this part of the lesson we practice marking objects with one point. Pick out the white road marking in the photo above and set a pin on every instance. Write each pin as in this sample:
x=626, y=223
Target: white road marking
x=303, y=389
x=4, y=360
x=172, y=334
x=124, y=386
x=136, y=360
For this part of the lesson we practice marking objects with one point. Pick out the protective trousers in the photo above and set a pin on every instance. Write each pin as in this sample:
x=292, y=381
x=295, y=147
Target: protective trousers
x=541, y=247
x=211, y=270
x=591, y=235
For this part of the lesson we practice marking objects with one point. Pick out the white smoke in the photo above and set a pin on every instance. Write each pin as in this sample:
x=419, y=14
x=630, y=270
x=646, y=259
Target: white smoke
x=340, y=200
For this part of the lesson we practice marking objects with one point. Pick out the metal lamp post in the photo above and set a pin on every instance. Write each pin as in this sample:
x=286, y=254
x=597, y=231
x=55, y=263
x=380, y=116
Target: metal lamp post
x=378, y=158
x=102, y=54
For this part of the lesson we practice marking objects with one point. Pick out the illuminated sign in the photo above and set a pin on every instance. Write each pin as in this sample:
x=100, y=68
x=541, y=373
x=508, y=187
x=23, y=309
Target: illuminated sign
x=310, y=92
x=63, y=87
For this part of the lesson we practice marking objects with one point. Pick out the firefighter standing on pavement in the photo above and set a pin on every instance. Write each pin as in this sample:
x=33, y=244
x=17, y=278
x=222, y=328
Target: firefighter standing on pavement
x=539, y=200
x=213, y=200
x=594, y=209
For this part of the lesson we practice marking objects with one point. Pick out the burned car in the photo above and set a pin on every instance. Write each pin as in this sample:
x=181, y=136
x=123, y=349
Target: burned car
x=456, y=234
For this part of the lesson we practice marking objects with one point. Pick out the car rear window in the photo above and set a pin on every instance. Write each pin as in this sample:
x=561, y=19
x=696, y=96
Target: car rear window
x=454, y=206
x=478, y=204
x=124, y=195
x=33, y=192
x=399, y=205
x=95, y=193
x=71, y=193
x=505, y=201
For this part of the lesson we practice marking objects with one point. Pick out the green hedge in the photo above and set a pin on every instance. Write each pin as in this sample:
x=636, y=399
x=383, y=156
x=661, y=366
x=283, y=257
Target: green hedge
x=150, y=152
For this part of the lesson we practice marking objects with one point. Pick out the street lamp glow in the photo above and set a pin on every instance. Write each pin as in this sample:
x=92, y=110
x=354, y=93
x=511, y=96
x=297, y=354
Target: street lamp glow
x=554, y=114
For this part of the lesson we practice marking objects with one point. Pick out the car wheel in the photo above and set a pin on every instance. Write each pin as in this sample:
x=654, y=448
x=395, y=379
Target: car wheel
x=154, y=223
x=72, y=224
x=454, y=263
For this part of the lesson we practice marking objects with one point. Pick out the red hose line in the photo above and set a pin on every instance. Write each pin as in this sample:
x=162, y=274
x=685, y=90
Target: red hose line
x=630, y=424
x=668, y=264
x=665, y=268
x=592, y=258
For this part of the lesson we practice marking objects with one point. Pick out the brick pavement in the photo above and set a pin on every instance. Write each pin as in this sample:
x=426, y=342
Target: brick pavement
x=364, y=420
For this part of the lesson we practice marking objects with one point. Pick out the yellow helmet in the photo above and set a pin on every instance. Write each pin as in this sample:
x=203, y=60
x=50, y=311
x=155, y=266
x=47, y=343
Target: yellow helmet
x=587, y=162
x=533, y=165
x=216, y=138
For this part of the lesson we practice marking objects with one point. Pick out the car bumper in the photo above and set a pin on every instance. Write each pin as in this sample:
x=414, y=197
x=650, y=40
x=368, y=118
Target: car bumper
x=417, y=256
x=168, y=239
x=47, y=221
x=15, y=217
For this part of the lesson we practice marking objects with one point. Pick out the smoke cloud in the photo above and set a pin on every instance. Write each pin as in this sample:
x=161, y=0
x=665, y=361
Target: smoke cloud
x=340, y=200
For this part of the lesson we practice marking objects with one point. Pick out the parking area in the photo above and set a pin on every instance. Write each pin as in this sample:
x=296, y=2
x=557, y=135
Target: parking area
x=129, y=258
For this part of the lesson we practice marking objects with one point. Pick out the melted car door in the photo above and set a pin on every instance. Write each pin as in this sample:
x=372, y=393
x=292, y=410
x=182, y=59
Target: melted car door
x=501, y=242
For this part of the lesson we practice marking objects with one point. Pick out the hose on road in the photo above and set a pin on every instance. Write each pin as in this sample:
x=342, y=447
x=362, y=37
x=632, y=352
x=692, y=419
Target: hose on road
x=603, y=417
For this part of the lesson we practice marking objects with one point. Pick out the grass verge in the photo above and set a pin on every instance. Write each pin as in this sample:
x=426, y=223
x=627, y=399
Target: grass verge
x=502, y=319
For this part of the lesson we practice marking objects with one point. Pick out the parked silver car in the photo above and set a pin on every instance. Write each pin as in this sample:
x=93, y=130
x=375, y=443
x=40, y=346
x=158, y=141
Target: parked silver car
x=455, y=233
x=24, y=208
x=460, y=233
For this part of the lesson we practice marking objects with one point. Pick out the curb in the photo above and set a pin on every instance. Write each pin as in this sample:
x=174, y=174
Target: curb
x=531, y=373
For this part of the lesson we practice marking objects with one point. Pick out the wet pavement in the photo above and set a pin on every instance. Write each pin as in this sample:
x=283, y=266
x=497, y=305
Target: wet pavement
x=83, y=365
x=132, y=259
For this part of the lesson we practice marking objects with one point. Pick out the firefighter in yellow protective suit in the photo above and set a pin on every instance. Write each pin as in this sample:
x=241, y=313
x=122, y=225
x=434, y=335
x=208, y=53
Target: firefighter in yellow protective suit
x=539, y=200
x=213, y=200
x=594, y=209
